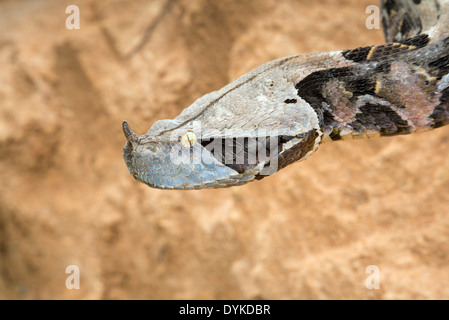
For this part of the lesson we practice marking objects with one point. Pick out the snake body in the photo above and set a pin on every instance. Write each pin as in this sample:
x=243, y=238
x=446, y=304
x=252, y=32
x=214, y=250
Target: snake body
x=280, y=112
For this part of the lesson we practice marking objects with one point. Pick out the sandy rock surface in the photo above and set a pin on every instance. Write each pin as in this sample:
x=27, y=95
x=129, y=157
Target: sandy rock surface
x=309, y=232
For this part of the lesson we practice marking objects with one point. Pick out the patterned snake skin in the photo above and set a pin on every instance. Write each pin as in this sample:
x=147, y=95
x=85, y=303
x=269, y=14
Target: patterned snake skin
x=280, y=112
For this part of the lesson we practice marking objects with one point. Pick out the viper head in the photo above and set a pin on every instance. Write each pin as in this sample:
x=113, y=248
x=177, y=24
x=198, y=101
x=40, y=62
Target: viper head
x=249, y=129
x=185, y=160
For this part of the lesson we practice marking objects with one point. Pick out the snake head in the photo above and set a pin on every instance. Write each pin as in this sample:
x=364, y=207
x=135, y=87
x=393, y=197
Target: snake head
x=245, y=131
x=181, y=161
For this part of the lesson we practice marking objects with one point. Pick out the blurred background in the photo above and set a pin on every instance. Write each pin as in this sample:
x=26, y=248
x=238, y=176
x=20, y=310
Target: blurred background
x=308, y=232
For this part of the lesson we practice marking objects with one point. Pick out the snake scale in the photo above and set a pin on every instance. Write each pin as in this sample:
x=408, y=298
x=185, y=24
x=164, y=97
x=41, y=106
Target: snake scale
x=280, y=112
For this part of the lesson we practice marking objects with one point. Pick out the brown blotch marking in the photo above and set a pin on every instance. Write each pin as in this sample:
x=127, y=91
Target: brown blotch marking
x=358, y=54
x=315, y=90
x=381, y=119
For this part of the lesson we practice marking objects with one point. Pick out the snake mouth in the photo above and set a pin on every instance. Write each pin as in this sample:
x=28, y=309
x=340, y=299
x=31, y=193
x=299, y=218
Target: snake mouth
x=221, y=177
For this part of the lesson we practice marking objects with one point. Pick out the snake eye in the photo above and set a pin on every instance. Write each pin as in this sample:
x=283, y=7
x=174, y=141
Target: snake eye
x=153, y=147
x=188, y=140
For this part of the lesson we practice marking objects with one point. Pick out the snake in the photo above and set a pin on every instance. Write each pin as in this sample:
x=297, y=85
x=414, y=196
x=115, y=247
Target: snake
x=280, y=112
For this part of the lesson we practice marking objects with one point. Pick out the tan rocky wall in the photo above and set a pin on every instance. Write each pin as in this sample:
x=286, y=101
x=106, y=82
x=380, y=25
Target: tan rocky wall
x=309, y=232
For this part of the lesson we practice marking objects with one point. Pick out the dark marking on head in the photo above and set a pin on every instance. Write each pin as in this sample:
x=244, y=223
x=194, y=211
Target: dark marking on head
x=417, y=1
x=243, y=153
x=311, y=90
x=296, y=152
x=299, y=150
x=288, y=101
x=380, y=118
x=313, y=87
